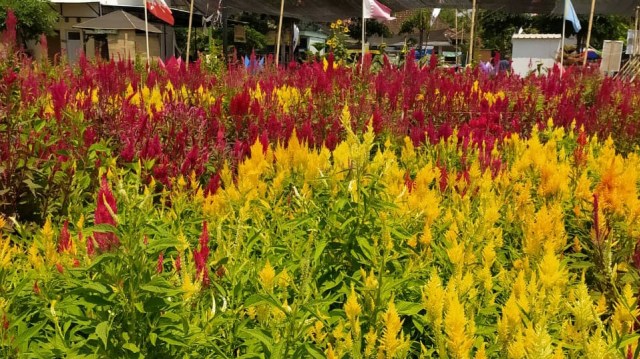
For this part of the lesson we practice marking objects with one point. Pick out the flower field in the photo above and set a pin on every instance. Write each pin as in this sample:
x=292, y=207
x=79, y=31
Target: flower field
x=320, y=210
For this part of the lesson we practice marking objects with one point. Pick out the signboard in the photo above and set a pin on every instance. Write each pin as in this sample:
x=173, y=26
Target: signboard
x=239, y=34
x=633, y=43
x=611, y=56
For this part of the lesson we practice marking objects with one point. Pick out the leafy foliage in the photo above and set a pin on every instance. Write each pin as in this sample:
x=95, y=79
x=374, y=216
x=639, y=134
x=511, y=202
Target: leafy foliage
x=36, y=17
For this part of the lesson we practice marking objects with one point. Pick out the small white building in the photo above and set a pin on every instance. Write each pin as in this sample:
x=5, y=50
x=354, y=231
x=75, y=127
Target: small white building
x=534, y=51
x=309, y=38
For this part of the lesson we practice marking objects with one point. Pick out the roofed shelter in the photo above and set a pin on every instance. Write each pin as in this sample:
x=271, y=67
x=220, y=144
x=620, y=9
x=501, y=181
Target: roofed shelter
x=121, y=35
x=329, y=10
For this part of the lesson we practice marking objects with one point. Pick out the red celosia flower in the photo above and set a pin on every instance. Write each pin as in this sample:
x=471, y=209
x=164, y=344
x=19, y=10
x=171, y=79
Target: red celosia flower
x=59, y=268
x=91, y=250
x=160, y=262
x=408, y=182
x=65, y=238
x=178, y=263
x=36, y=288
x=213, y=185
x=221, y=271
x=9, y=35
x=443, y=178
x=106, y=206
x=201, y=256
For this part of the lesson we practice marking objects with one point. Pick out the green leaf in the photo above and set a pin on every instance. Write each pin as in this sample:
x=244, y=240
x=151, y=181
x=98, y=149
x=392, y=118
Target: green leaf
x=261, y=336
x=365, y=246
x=313, y=351
x=408, y=308
x=153, y=337
x=102, y=330
x=627, y=340
x=131, y=347
x=172, y=341
x=27, y=334
x=320, y=246
x=99, y=147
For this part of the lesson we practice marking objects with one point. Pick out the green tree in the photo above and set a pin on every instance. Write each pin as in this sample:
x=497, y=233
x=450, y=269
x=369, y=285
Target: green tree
x=35, y=17
x=420, y=21
x=374, y=27
x=605, y=27
x=496, y=28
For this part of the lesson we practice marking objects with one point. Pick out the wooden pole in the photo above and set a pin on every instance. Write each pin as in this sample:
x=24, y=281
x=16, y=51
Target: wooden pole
x=636, y=48
x=564, y=29
x=471, y=37
x=586, y=53
x=146, y=32
x=189, y=33
x=279, y=32
x=364, y=31
x=457, y=48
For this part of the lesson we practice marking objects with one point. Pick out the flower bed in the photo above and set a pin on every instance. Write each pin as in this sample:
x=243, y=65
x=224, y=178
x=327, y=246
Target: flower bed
x=316, y=211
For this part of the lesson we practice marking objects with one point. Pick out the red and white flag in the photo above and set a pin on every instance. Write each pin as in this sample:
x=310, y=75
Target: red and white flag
x=161, y=10
x=373, y=9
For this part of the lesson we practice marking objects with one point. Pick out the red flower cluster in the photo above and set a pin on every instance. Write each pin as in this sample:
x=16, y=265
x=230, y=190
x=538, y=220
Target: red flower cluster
x=201, y=256
x=106, y=208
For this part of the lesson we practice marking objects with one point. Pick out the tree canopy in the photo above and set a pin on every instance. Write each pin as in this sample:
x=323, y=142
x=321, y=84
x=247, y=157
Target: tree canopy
x=35, y=17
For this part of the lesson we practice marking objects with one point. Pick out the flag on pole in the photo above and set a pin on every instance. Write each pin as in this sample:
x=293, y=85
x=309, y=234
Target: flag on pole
x=161, y=10
x=372, y=9
x=434, y=16
x=570, y=15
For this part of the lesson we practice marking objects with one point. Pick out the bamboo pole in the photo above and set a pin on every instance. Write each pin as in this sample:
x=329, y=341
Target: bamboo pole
x=471, y=37
x=564, y=29
x=364, y=31
x=636, y=48
x=146, y=32
x=457, y=40
x=279, y=32
x=586, y=53
x=189, y=33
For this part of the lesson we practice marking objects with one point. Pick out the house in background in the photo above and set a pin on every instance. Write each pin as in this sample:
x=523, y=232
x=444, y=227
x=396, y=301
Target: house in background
x=120, y=35
x=71, y=39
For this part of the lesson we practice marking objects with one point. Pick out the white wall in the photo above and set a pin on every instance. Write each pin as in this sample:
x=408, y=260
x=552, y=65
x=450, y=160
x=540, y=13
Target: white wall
x=529, y=52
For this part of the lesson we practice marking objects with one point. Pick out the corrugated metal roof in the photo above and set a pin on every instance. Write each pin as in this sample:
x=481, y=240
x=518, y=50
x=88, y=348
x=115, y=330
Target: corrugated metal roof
x=117, y=20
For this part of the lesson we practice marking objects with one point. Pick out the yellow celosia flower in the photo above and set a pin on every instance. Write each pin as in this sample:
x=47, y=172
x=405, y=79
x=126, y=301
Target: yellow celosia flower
x=392, y=339
x=370, y=338
x=551, y=272
x=433, y=299
x=7, y=252
x=459, y=341
x=626, y=311
x=352, y=308
x=48, y=242
x=266, y=276
x=288, y=98
x=330, y=353
x=189, y=287
x=35, y=259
